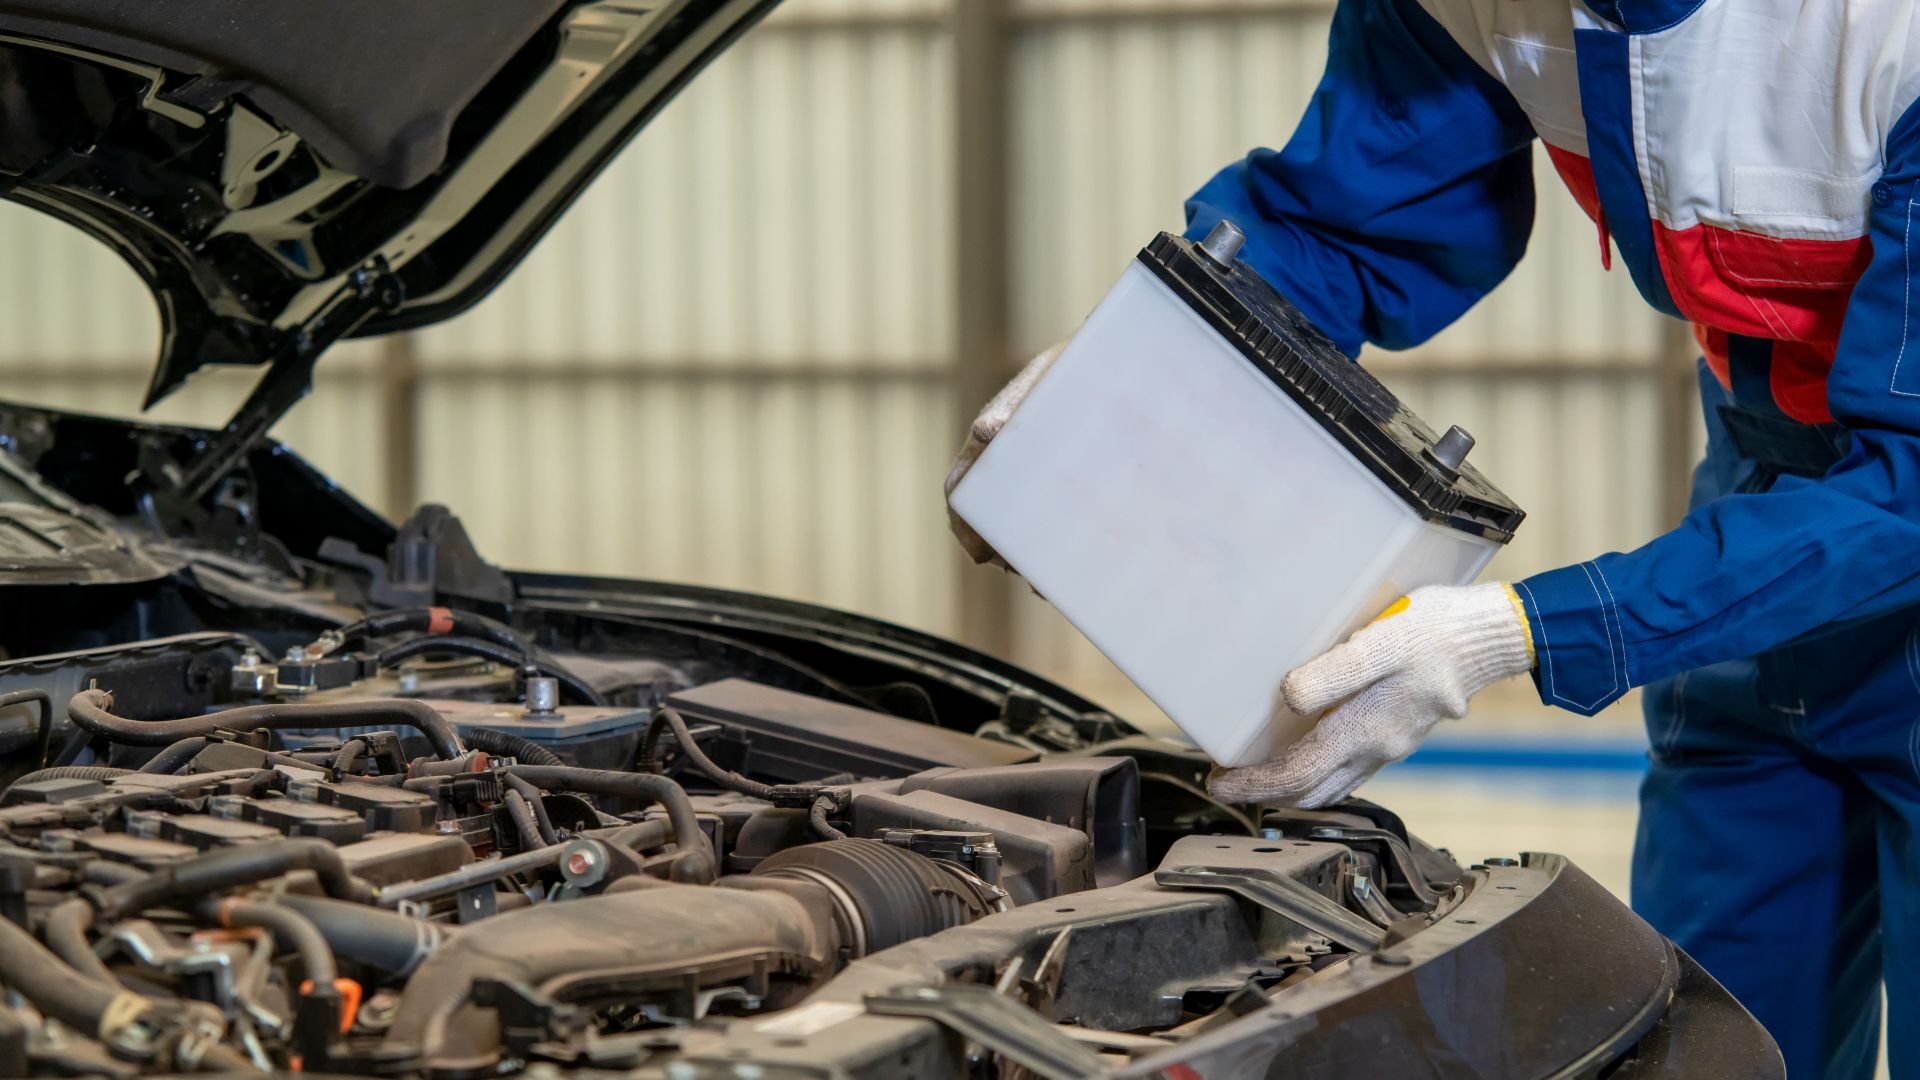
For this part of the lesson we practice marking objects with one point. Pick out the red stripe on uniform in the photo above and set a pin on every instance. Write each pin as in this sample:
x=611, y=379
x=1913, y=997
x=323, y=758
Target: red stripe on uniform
x=1713, y=346
x=1791, y=292
x=1576, y=171
x=1799, y=381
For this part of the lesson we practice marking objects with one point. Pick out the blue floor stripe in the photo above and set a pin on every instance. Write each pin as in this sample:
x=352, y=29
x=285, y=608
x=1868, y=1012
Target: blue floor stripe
x=1511, y=754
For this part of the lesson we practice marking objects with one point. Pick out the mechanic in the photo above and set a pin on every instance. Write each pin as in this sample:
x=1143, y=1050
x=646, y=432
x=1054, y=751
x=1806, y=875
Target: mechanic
x=1754, y=165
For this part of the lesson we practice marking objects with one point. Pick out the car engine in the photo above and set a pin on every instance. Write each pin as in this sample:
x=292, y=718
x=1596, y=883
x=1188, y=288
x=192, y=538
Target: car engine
x=436, y=844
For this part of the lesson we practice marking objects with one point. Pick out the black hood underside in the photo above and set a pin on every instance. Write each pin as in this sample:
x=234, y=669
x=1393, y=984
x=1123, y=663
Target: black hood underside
x=372, y=85
x=283, y=174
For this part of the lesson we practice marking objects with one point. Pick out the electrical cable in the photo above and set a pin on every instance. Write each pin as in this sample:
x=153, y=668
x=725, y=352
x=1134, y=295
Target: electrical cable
x=817, y=817
x=537, y=804
x=524, y=750
x=175, y=755
x=581, y=690
x=66, y=772
x=92, y=711
x=437, y=621
x=349, y=755
x=726, y=778
x=522, y=814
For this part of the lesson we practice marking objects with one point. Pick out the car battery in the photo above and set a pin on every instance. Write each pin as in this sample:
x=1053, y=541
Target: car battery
x=1211, y=492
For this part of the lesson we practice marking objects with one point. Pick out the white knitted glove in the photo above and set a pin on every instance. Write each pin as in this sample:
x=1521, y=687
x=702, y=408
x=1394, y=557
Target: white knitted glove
x=985, y=427
x=1415, y=665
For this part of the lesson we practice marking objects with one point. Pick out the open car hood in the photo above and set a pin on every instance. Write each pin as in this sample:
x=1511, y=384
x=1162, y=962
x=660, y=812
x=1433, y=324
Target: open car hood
x=285, y=174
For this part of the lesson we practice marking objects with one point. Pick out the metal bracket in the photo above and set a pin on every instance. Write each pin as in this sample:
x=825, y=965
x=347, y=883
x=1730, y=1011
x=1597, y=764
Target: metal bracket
x=1283, y=896
x=475, y=902
x=1001, y=1025
x=1397, y=862
x=174, y=493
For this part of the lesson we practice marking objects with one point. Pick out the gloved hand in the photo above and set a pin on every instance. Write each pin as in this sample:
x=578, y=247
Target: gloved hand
x=985, y=427
x=1395, y=678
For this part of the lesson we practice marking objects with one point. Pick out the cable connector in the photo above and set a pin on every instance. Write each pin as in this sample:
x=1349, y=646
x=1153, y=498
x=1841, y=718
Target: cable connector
x=803, y=796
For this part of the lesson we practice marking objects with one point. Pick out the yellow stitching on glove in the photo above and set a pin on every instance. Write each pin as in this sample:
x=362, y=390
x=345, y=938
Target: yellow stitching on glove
x=1393, y=609
x=1526, y=627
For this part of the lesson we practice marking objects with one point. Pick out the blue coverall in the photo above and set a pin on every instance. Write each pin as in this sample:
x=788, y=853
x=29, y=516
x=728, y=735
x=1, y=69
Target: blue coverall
x=1777, y=627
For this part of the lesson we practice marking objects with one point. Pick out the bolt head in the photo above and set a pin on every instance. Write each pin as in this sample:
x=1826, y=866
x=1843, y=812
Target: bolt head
x=580, y=862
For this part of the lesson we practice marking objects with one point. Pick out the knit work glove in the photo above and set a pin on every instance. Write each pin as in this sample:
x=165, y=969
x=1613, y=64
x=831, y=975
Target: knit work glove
x=1395, y=678
x=985, y=427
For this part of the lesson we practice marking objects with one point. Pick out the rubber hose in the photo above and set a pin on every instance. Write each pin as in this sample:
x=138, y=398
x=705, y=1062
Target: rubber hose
x=581, y=690
x=67, y=995
x=639, y=836
x=92, y=710
x=102, y=872
x=43, y=723
x=66, y=772
x=175, y=755
x=386, y=941
x=697, y=865
x=522, y=815
x=227, y=868
x=495, y=741
x=65, y=931
x=437, y=621
x=538, y=805
x=78, y=740
x=290, y=929
x=726, y=778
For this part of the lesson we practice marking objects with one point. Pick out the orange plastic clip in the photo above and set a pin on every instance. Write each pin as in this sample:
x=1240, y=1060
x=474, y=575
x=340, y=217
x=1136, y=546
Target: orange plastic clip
x=349, y=999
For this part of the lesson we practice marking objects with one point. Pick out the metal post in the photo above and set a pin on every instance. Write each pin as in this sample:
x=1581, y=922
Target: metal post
x=983, y=349
x=399, y=381
x=1679, y=414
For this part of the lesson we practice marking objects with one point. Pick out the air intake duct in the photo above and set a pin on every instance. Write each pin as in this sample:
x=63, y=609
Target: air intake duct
x=882, y=895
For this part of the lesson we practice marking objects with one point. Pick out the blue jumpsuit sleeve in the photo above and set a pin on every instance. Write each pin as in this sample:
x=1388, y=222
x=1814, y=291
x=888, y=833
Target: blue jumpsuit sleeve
x=1405, y=195
x=1748, y=572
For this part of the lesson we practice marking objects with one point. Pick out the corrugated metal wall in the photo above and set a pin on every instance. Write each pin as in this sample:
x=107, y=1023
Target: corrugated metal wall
x=732, y=362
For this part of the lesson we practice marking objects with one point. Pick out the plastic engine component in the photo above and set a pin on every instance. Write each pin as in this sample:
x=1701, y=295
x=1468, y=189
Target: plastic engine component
x=887, y=894
x=794, y=738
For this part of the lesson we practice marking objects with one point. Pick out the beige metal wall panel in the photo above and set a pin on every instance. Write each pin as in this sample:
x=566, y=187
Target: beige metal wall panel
x=1578, y=453
x=78, y=330
x=1120, y=118
x=726, y=361
x=1117, y=120
x=338, y=428
x=823, y=490
x=794, y=13
x=66, y=299
x=790, y=209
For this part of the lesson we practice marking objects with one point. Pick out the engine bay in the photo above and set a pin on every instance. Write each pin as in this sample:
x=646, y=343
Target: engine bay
x=423, y=844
